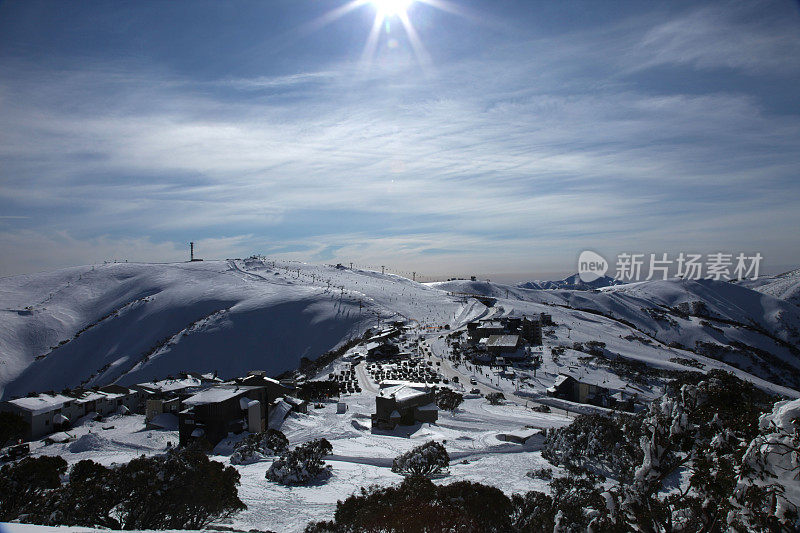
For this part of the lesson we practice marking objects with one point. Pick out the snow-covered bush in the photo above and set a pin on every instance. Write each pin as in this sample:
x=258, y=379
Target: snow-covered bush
x=605, y=444
x=699, y=430
x=541, y=473
x=301, y=465
x=425, y=460
x=257, y=446
x=88, y=499
x=579, y=504
x=182, y=489
x=736, y=469
x=533, y=512
x=768, y=487
x=448, y=399
x=495, y=398
x=24, y=483
x=417, y=504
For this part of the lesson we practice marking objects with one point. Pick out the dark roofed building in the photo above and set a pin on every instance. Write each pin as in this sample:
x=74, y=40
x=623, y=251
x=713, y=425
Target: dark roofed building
x=502, y=344
x=259, y=378
x=580, y=390
x=217, y=411
x=531, y=330
x=404, y=405
x=377, y=351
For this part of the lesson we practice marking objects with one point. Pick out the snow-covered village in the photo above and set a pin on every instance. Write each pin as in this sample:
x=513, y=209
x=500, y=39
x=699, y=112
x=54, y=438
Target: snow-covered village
x=399, y=266
x=559, y=405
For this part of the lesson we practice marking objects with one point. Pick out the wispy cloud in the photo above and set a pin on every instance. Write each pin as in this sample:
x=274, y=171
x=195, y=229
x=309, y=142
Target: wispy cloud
x=757, y=37
x=514, y=159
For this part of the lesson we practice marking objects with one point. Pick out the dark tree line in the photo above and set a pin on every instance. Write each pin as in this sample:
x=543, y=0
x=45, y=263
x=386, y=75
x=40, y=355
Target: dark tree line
x=180, y=490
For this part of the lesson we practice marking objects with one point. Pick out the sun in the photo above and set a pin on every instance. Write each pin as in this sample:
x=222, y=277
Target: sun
x=384, y=11
x=392, y=8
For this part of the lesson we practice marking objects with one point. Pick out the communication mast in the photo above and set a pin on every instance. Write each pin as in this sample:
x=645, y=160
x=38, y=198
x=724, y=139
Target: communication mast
x=191, y=253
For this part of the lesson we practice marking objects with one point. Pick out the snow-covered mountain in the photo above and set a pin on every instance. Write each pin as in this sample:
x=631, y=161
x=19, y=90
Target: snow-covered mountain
x=712, y=321
x=573, y=282
x=785, y=286
x=129, y=323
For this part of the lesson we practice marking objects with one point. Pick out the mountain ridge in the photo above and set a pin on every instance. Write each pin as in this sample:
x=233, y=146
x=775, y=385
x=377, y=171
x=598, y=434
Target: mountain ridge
x=130, y=323
x=573, y=282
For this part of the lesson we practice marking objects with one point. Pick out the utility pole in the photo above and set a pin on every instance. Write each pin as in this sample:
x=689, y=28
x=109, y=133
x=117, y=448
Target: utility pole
x=351, y=265
x=191, y=251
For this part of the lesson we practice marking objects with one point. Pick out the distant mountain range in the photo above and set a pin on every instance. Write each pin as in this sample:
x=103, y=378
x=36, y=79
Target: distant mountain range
x=573, y=282
x=785, y=286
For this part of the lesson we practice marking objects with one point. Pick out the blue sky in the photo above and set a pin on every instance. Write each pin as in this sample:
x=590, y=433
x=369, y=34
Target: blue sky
x=517, y=135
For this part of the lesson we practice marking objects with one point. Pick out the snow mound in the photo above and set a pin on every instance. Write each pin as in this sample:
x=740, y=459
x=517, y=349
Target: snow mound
x=90, y=442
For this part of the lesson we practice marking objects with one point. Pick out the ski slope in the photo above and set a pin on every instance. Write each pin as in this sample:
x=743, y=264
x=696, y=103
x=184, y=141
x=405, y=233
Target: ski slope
x=130, y=323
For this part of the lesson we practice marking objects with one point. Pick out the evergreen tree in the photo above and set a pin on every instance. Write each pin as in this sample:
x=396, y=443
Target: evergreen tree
x=448, y=399
x=301, y=465
x=425, y=460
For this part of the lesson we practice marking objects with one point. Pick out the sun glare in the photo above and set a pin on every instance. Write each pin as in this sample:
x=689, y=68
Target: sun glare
x=392, y=8
x=385, y=10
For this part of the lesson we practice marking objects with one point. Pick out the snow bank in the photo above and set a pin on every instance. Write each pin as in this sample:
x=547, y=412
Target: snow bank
x=90, y=442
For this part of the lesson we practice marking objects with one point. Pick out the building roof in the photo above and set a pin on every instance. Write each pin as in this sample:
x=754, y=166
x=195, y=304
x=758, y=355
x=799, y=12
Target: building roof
x=41, y=403
x=403, y=393
x=92, y=396
x=504, y=341
x=170, y=385
x=117, y=389
x=387, y=383
x=214, y=395
x=561, y=379
x=588, y=380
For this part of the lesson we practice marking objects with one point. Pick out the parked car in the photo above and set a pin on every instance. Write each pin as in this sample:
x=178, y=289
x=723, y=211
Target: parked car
x=13, y=453
x=473, y=381
x=475, y=391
